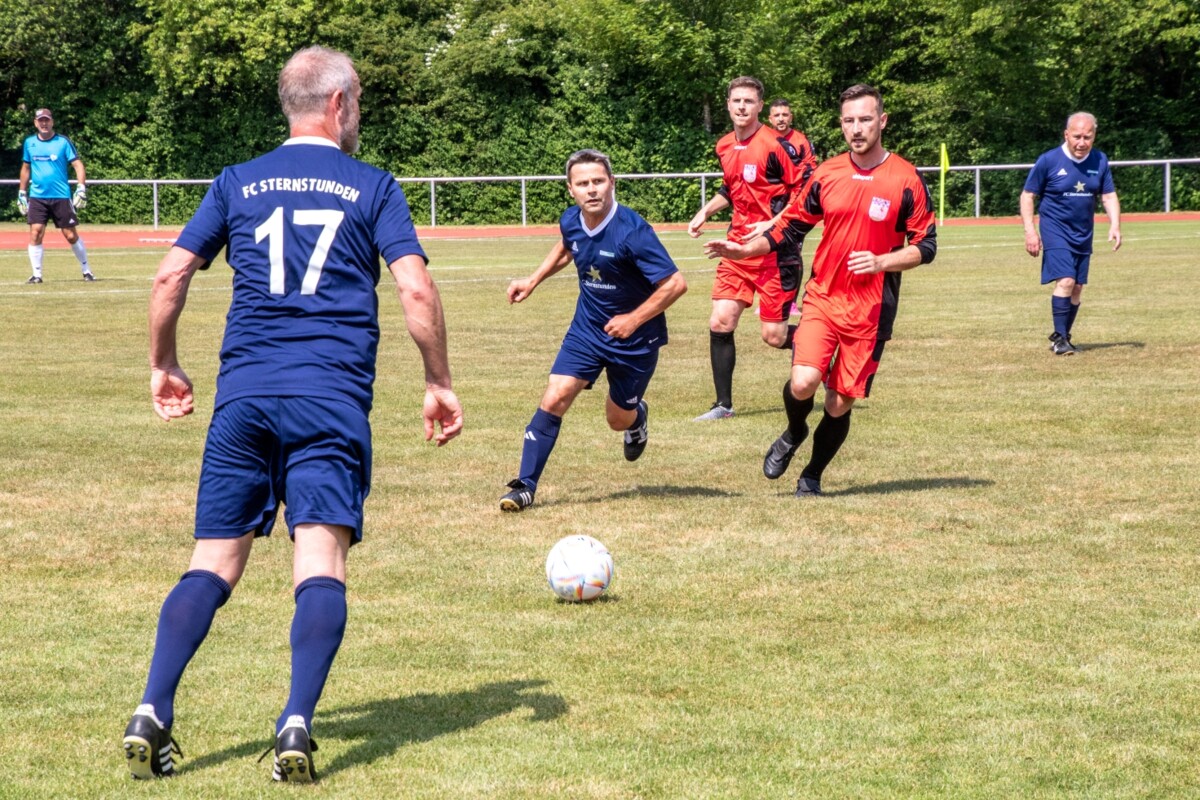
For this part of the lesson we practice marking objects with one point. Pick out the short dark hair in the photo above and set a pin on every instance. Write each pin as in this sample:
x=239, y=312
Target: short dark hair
x=779, y=101
x=745, y=82
x=861, y=90
x=588, y=157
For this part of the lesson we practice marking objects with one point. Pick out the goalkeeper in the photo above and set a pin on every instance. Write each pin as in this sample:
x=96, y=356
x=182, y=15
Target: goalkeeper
x=45, y=194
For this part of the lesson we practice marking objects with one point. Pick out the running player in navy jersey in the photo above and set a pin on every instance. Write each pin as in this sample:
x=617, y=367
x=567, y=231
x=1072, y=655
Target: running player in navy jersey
x=1067, y=179
x=626, y=282
x=304, y=226
x=44, y=194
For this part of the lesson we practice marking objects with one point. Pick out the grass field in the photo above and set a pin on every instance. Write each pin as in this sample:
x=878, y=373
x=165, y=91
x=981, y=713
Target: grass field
x=998, y=597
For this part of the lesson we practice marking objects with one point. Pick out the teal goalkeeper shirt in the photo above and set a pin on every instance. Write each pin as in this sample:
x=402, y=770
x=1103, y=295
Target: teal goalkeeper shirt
x=48, y=160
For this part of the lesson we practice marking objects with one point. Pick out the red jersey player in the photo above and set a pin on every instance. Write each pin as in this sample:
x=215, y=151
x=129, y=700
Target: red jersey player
x=879, y=221
x=762, y=173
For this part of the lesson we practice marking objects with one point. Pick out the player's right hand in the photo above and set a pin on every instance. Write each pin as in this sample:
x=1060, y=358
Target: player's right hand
x=696, y=226
x=519, y=289
x=1033, y=243
x=441, y=410
x=723, y=248
x=171, y=393
x=23, y=202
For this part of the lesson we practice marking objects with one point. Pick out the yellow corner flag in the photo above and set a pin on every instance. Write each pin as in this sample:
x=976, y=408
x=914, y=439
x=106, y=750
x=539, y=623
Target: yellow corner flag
x=942, y=187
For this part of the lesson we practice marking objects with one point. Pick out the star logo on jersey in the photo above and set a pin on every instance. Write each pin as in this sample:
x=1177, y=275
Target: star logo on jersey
x=749, y=172
x=879, y=209
x=1079, y=186
x=594, y=274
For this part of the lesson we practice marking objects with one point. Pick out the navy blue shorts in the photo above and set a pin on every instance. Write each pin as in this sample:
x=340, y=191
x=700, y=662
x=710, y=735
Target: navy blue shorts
x=311, y=454
x=1058, y=264
x=627, y=377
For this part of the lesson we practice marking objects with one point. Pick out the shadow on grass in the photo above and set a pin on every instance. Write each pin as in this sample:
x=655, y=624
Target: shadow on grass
x=911, y=485
x=665, y=491
x=1083, y=348
x=382, y=727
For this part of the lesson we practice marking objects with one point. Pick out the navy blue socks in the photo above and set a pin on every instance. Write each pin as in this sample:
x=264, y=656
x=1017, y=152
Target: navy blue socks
x=317, y=630
x=186, y=616
x=1060, y=309
x=540, y=435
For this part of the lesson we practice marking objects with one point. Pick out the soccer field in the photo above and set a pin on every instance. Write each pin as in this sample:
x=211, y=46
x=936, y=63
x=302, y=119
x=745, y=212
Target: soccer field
x=997, y=597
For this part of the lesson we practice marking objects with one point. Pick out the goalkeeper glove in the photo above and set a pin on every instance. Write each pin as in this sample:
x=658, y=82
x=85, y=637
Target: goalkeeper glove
x=80, y=198
x=23, y=201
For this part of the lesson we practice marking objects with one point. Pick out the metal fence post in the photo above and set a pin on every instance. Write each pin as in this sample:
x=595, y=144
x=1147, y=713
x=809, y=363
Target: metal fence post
x=432, y=203
x=703, y=189
x=978, y=172
x=1167, y=187
x=524, y=221
x=154, y=186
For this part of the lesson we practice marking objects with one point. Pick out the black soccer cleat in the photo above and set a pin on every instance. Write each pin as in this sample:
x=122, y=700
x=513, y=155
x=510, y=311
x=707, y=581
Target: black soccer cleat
x=34, y=279
x=293, y=753
x=779, y=455
x=89, y=277
x=149, y=747
x=635, y=439
x=807, y=487
x=519, y=499
x=1061, y=346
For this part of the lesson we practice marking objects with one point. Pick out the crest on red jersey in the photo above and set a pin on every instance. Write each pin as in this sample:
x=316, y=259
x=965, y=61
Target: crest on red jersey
x=749, y=172
x=879, y=209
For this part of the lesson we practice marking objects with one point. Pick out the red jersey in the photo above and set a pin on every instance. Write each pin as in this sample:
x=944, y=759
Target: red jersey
x=875, y=210
x=760, y=175
x=805, y=159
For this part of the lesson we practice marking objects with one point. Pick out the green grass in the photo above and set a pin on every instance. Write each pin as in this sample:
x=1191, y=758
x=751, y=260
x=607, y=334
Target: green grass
x=997, y=598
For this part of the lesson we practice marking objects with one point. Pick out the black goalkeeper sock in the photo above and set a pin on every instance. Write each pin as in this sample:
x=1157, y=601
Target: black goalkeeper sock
x=724, y=356
x=827, y=440
x=797, y=414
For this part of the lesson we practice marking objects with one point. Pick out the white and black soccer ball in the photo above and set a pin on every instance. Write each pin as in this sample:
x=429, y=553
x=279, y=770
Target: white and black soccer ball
x=579, y=568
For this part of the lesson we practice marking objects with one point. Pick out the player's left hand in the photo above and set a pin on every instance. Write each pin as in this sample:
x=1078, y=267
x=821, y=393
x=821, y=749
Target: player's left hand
x=621, y=326
x=1114, y=236
x=79, y=199
x=864, y=262
x=442, y=410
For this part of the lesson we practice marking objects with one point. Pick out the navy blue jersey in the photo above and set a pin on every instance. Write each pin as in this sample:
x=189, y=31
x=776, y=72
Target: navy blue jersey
x=1069, y=190
x=305, y=226
x=619, y=265
x=48, y=160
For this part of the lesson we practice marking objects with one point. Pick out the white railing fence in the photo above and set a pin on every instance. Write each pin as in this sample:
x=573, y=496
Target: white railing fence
x=703, y=178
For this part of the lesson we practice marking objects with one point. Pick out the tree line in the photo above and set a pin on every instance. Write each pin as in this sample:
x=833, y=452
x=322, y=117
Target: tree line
x=163, y=89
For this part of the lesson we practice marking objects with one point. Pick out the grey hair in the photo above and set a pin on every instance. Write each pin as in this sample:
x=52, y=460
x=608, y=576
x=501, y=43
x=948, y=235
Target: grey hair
x=310, y=78
x=1084, y=116
x=589, y=157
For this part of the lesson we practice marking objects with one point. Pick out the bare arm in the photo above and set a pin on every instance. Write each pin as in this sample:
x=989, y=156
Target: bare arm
x=170, y=387
x=558, y=257
x=723, y=248
x=1033, y=242
x=669, y=290
x=864, y=262
x=24, y=176
x=718, y=203
x=1112, y=207
x=80, y=173
x=423, y=316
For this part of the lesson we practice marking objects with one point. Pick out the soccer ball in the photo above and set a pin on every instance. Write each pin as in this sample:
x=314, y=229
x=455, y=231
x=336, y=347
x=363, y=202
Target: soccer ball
x=579, y=568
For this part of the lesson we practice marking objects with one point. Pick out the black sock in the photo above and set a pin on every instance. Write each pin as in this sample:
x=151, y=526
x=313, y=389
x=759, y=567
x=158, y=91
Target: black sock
x=724, y=357
x=797, y=413
x=789, y=338
x=827, y=440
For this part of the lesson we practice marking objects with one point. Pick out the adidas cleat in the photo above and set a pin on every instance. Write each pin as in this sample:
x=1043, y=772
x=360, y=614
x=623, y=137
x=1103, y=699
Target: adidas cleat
x=636, y=438
x=519, y=499
x=149, y=747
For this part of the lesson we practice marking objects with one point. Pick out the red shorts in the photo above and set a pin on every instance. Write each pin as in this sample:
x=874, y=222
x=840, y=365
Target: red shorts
x=775, y=285
x=848, y=363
